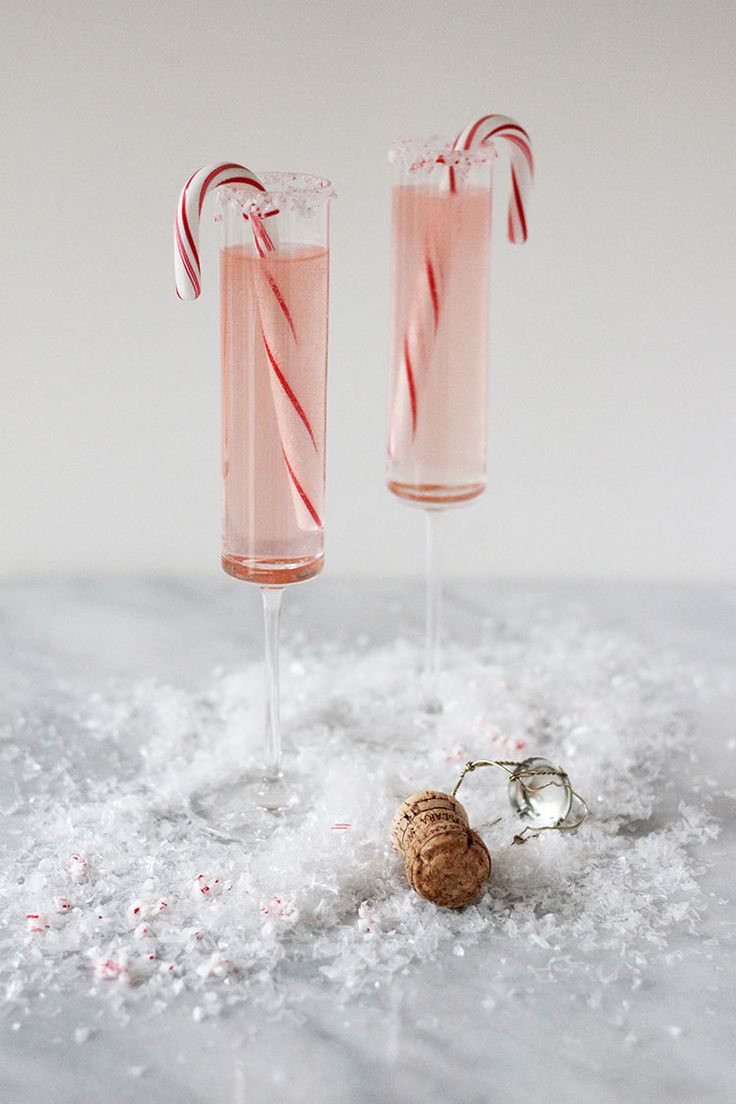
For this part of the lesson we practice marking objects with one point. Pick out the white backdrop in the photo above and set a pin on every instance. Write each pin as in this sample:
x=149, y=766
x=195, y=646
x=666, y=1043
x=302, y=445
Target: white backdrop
x=613, y=451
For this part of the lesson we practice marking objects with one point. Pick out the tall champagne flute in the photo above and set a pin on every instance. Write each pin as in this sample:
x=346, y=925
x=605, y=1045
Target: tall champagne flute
x=438, y=378
x=274, y=273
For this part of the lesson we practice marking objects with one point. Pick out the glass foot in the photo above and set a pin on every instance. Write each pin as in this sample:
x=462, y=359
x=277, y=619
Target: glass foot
x=246, y=808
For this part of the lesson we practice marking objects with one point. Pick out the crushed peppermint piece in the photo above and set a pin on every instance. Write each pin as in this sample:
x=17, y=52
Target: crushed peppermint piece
x=175, y=915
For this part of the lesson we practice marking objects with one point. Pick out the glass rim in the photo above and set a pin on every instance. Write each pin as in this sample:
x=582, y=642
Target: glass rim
x=283, y=183
x=280, y=186
x=425, y=154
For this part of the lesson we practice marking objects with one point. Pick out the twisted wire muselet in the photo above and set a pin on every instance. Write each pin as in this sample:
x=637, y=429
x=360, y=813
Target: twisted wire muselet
x=525, y=797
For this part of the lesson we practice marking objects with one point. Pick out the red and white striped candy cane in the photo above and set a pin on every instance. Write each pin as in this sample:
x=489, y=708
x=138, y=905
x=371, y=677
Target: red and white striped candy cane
x=290, y=415
x=499, y=129
x=295, y=429
x=298, y=439
x=189, y=213
x=416, y=349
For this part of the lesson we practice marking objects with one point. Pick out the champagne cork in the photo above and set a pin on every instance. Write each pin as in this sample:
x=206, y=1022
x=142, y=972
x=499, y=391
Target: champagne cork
x=446, y=861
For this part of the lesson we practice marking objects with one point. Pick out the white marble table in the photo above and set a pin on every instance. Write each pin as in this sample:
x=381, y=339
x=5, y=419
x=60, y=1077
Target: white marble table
x=433, y=1035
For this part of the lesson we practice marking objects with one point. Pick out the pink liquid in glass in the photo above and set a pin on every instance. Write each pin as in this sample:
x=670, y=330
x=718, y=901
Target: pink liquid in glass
x=439, y=356
x=274, y=377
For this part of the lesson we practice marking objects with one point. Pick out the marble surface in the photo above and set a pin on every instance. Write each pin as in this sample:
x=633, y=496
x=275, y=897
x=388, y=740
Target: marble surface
x=435, y=1034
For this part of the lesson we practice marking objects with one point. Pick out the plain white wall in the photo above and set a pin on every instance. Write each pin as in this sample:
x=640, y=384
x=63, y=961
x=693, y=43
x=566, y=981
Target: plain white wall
x=613, y=450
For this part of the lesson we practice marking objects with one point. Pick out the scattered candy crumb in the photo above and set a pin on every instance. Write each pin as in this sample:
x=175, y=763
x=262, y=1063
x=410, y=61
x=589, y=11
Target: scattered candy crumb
x=122, y=891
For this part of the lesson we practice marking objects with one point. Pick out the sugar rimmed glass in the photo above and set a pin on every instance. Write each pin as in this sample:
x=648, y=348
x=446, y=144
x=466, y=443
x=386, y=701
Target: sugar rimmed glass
x=273, y=329
x=438, y=376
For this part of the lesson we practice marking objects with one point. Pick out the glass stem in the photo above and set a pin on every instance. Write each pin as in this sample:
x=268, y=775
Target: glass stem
x=433, y=603
x=271, y=622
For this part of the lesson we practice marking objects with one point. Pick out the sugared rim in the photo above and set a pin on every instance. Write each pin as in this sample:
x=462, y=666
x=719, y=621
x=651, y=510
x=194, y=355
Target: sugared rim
x=426, y=154
x=302, y=192
x=297, y=183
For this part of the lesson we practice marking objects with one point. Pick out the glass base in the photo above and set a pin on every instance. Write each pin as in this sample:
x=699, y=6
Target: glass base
x=436, y=495
x=247, y=808
x=272, y=572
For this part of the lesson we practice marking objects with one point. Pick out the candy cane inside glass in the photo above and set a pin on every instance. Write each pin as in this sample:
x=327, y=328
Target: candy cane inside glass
x=273, y=311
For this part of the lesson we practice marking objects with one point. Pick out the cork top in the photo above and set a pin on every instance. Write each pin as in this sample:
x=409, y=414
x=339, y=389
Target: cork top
x=446, y=862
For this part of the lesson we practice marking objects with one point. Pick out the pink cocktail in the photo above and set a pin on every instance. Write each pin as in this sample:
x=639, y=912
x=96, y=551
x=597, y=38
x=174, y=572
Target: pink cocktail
x=274, y=377
x=439, y=353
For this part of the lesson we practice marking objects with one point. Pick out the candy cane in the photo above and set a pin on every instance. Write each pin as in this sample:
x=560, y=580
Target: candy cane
x=500, y=129
x=189, y=213
x=188, y=286
x=416, y=348
x=295, y=428
x=426, y=307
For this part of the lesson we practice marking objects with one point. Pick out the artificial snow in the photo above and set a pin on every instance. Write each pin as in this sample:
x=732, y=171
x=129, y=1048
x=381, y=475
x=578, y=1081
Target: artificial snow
x=112, y=886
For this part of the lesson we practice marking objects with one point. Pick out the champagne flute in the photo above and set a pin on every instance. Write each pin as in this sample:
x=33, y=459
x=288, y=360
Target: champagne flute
x=274, y=274
x=438, y=378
